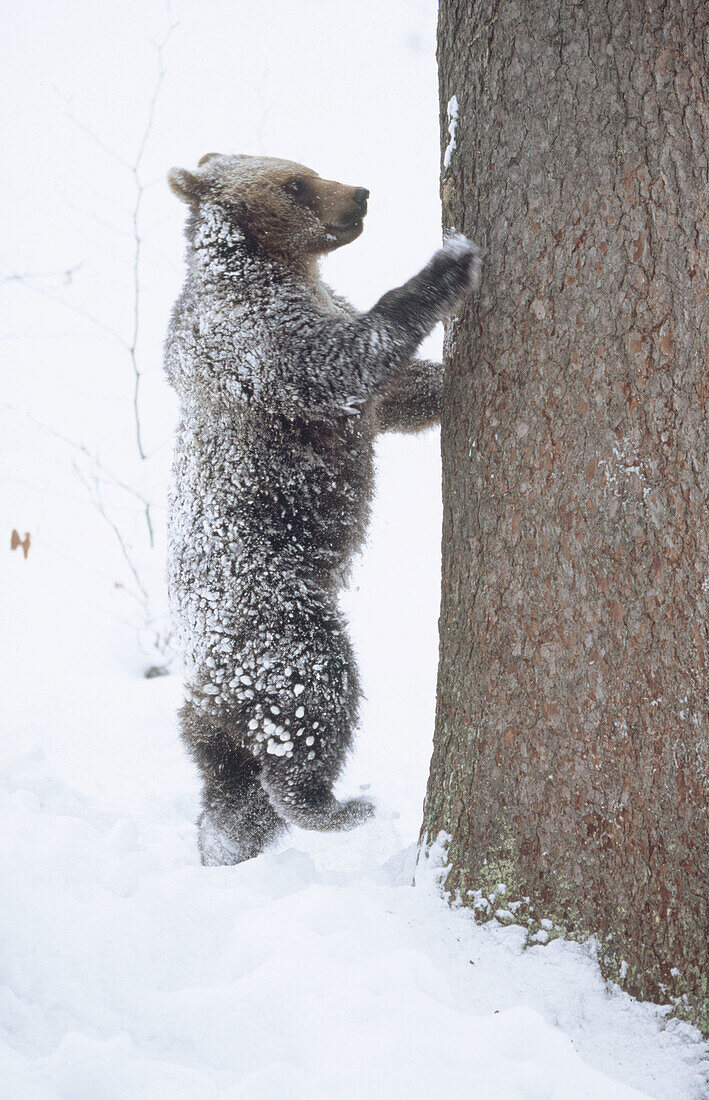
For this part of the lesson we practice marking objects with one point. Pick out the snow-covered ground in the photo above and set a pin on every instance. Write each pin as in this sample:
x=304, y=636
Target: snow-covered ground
x=316, y=970
x=126, y=969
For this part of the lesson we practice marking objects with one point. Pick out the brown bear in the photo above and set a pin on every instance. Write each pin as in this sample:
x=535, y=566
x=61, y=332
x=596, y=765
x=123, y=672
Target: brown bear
x=283, y=387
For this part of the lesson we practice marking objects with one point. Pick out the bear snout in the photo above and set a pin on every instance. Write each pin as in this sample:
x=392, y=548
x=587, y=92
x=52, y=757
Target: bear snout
x=361, y=194
x=341, y=207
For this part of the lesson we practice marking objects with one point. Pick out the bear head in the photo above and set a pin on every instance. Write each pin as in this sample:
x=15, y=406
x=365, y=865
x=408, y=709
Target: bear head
x=281, y=207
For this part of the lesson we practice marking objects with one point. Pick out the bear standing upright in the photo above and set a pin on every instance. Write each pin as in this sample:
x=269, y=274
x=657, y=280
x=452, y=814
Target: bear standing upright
x=283, y=387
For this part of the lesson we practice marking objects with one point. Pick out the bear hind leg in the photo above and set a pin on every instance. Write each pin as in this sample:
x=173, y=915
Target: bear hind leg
x=303, y=746
x=298, y=774
x=305, y=798
x=238, y=820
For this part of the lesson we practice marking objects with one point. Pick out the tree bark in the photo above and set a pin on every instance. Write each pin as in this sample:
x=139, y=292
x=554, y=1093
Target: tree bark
x=571, y=756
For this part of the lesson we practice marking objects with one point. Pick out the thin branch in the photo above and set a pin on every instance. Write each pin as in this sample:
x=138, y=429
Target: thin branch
x=95, y=494
x=96, y=462
x=130, y=344
x=139, y=192
x=86, y=129
x=23, y=281
x=86, y=567
x=25, y=276
x=91, y=192
x=93, y=474
x=114, y=229
x=6, y=337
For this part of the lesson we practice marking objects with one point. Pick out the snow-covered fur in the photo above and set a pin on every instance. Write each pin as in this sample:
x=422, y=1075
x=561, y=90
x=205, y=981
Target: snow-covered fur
x=282, y=387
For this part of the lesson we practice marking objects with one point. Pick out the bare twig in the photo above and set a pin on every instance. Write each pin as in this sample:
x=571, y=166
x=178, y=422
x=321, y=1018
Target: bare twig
x=67, y=275
x=86, y=129
x=139, y=192
x=25, y=281
x=94, y=490
x=93, y=474
x=131, y=343
x=96, y=462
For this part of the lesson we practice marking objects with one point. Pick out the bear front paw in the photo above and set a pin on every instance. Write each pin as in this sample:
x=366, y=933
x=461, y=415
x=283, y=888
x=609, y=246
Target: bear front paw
x=465, y=259
x=452, y=273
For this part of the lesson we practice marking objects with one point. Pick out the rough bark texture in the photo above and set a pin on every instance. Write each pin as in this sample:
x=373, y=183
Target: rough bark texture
x=571, y=757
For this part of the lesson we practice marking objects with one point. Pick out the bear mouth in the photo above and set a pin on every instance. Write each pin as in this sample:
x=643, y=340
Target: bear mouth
x=345, y=227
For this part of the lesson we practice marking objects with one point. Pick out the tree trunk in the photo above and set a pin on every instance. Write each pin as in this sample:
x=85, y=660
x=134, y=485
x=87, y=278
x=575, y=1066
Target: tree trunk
x=571, y=758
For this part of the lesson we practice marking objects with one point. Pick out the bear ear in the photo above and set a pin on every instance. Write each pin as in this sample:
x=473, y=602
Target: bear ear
x=206, y=157
x=186, y=185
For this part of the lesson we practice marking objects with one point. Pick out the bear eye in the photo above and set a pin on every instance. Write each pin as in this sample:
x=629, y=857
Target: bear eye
x=295, y=187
